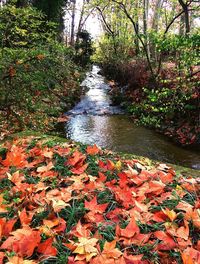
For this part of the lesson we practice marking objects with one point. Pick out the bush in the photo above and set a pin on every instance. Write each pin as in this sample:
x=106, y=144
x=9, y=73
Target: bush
x=36, y=72
x=24, y=27
x=30, y=76
x=83, y=48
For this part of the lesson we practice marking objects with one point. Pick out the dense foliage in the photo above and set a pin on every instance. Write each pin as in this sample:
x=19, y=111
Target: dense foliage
x=157, y=61
x=38, y=75
x=83, y=48
x=54, y=12
x=24, y=27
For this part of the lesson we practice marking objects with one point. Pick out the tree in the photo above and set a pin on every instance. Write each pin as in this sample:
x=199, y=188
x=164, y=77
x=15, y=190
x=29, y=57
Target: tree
x=25, y=27
x=73, y=23
x=185, y=7
x=83, y=48
x=54, y=11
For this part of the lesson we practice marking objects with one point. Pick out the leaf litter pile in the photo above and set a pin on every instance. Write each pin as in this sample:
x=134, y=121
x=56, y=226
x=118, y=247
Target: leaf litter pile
x=66, y=203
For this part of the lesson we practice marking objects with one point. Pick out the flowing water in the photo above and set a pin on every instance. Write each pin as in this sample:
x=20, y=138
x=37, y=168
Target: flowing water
x=95, y=120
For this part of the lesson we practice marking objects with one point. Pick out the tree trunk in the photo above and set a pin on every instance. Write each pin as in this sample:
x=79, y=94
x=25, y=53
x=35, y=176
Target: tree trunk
x=156, y=15
x=181, y=26
x=73, y=23
x=145, y=23
x=155, y=24
x=137, y=48
x=186, y=16
x=145, y=16
x=80, y=24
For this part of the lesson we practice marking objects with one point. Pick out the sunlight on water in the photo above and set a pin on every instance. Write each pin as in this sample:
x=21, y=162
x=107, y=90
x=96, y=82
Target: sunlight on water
x=88, y=124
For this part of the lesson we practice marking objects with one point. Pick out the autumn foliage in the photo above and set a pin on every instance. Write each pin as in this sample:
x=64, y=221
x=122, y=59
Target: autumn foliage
x=62, y=203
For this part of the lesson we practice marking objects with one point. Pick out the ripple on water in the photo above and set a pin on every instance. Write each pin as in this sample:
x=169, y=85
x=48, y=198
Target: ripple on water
x=95, y=120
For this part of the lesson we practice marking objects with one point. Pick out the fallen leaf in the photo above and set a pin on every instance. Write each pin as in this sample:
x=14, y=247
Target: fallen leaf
x=168, y=242
x=92, y=150
x=46, y=248
x=130, y=230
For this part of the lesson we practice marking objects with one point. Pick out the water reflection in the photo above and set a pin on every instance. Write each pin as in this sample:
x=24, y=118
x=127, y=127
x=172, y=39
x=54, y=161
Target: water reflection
x=89, y=124
x=118, y=133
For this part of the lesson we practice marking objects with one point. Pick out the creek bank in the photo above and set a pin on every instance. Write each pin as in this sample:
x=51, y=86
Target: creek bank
x=48, y=116
x=95, y=120
x=49, y=139
x=170, y=109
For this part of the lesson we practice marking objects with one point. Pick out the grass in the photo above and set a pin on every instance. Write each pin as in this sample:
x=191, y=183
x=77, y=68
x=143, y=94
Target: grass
x=51, y=196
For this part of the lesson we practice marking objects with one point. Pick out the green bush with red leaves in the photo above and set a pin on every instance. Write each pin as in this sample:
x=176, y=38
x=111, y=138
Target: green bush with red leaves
x=37, y=73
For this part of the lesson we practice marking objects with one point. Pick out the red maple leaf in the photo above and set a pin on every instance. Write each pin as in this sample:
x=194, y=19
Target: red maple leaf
x=95, y=207
x=77, y=157
x=92, y=150
x=15, y=157
x=6, y=226
x=130, y=230
x=46, y=248
x=168, y=242
x=23, y=241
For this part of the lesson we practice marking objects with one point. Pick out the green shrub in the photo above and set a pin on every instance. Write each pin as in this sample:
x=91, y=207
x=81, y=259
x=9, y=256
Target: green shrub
x=24, y=27
x=37, y=73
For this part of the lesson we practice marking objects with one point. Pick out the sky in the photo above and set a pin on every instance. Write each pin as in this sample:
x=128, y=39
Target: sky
x=92, y=25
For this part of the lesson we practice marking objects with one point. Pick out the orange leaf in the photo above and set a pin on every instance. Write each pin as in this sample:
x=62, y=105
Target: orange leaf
x=94, y=207
x=16, y=177
x=6, y=227
x=129, y=231
x=80, y=169
x=25, y=218
x=187, y=259
x=140, y=207
x=24, y=241
x=2, y=255
x=159, y=217
x=133, y=258
x=15, y=157
x=183, y=231
x=18, y=260
x=47, y=153
x=110, y=165
x=45, y=168
x=102, y=177
x=167, y=241
x=170, y=213
x=51, y=223
x=46, y=248
x=165, y=177
x=92, y=150
x=110, y=250
x=85, y=248
x=155, y=187
x=77, y=157
x=191, y=254
x=80, y=230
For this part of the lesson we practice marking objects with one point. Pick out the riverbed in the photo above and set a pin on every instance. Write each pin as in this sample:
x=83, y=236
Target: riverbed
x=94, y=120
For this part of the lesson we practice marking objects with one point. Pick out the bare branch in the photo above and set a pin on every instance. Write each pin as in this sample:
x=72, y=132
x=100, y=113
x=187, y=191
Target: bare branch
x=108, y=27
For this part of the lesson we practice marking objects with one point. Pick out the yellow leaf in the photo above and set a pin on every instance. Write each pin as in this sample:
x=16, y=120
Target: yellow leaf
x=118, y=165
x=79, y=250
x=170, y=213
x=58, y=205
x=86, y=248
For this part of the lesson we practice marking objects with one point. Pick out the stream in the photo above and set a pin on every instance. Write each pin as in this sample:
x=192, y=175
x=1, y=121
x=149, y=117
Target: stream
x=94, y=120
